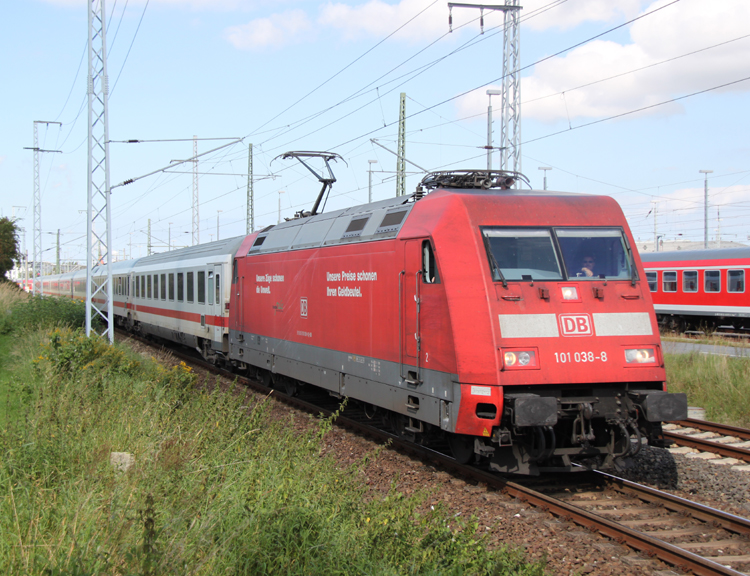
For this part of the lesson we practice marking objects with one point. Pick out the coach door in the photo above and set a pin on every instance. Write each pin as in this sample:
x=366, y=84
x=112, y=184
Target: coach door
x=216, y=301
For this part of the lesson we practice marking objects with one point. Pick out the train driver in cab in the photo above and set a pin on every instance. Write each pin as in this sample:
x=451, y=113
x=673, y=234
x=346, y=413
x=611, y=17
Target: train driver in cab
x=588, y=264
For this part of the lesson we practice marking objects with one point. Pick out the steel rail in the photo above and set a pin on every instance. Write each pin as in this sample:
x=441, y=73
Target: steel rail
x=652, y=547
x=707, y=444
x=707, y=426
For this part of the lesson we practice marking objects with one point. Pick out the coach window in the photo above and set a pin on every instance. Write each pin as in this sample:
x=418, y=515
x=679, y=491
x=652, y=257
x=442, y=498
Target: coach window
x=690, y=281
x=712, y=281
x=210, y=287
x=180, y=286
x=653, y=281
x=148, y=286
x=171, y=285
x=218, y=288
x=201, y=287
x=429, y=266
x=669, y=281
x=163, y=286
x=190, y=287
x=143, y=286
x=137, y=287
x=156, y=286
x=735, y=280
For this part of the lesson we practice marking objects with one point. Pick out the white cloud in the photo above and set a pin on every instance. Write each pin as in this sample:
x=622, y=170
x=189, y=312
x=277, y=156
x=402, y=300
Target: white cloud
x=551, y=93
x=575, y=12
x=275, y=31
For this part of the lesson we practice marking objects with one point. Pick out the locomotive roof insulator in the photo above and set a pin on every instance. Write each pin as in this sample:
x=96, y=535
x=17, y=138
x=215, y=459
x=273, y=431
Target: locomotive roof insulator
x=472, y=179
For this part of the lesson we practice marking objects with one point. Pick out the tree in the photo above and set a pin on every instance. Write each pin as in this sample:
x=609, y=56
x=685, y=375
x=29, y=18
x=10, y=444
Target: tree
x=9, y=251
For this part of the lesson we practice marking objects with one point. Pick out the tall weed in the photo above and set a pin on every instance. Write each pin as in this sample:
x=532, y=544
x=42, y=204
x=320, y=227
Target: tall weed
x=719, y=384
x=217, y=485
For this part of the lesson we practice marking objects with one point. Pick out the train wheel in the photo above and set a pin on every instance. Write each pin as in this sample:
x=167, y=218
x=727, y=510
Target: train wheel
x=462, y=447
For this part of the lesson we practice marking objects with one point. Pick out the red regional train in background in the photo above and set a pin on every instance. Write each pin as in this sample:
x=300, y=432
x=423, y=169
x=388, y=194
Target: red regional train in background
x=698, y=289
x=516, y=325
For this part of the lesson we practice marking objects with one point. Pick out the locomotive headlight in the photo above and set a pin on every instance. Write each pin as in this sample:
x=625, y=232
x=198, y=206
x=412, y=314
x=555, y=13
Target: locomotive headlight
x=640, y=356
x=516, y=359
x=569, y=293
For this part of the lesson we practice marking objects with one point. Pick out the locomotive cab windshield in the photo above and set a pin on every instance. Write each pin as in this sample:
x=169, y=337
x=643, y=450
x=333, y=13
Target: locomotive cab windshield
x=558, y=254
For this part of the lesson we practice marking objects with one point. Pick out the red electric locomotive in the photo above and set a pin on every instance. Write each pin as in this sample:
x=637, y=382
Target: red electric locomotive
x=515, y=324
x=694, y=289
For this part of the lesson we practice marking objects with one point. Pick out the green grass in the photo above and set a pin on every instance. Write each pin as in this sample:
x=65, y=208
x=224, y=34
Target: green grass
x=9, y=400
x=218, y=486
x=719, y=384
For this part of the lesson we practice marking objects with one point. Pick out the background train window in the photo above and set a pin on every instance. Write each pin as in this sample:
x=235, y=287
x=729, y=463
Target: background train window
x=669, y=281
x=137, y=287
x=218, y=288
x=429, y=266
x=163, y=286
x=210, y=287
x=180, y=286
x=690, y=281
x=520, y=253
x=171, y=285
x=156, y=286
x=736, y=280
x=148, y=286
x=605, y=246
x=712, y=280
x=190, y=287
x=143, y=286
x=201, y=287
x=653, y=281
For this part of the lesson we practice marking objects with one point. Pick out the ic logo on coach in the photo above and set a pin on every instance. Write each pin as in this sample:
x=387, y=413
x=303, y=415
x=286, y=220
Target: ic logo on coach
x=303, y=307
x=576, y=325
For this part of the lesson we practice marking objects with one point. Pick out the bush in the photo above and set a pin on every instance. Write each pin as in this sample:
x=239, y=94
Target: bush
x=37, y=312
x=218, y=486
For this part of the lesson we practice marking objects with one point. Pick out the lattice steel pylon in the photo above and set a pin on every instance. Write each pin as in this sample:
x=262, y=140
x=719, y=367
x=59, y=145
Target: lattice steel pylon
x=98, y=229
x=401, y=149
x=510, y=132
x=196, y=203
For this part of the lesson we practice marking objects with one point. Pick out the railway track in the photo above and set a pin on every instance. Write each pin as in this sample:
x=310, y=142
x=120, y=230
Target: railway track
x=689, y=536
x=711, y=438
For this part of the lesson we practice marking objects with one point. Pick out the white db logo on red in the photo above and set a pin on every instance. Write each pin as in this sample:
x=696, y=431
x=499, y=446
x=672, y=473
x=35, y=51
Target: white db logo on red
x=576, y=325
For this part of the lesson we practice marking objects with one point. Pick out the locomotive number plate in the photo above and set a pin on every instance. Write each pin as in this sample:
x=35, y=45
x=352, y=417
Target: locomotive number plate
x=566, y=357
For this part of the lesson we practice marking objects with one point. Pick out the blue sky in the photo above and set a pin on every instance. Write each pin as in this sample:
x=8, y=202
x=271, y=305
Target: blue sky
x=634, y=113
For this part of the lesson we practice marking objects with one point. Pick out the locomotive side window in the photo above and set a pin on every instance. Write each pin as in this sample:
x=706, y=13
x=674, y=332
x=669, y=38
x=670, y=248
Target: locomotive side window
x=517, y=253
x=712, y=280
x=190, y=287
x=690, y=281
x=595, y=253
x=653, y=281
x=669, y=281
x=201, y=287
x=429, y=266
x=180, y=287
x=736, y=280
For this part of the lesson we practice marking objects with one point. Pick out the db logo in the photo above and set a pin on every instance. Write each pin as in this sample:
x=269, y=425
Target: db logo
x=576, y=325
x=303, y=307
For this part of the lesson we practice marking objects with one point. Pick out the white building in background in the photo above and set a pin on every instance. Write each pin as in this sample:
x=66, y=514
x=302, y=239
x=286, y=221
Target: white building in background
x=672, y=245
